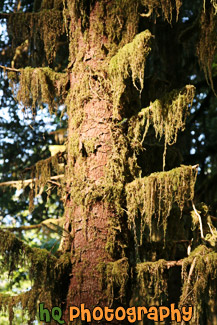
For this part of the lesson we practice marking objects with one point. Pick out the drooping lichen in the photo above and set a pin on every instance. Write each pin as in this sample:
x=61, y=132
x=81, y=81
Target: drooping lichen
x=152, y=282
x=46, y=272
x=39, y=86
x=213, y=2
x=167, y=116
x=166, y=6
x=45, y=26
x=41, y=174
x=115, y=276
x=155, y=195
x=129, y=62
x=199, y=275
x=207, y=44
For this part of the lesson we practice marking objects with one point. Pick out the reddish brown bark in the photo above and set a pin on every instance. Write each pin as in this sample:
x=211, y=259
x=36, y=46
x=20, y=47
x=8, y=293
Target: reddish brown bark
x=89, y=229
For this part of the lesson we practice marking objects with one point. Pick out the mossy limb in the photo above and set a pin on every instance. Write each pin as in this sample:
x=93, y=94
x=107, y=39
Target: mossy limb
x=167, y=115
x=154, y=196
x=129, y=62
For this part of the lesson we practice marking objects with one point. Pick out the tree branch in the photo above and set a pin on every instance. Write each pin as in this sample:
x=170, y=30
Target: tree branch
x=4, y=15
x=28, y=181
x=9, y=69
x=22, y=227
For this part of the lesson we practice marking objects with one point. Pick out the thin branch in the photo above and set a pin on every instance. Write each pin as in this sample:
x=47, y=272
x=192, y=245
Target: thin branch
x=148, y=14
x=22, y=227
x=4, y=15
x=210, y=229
x=200, y=221
x=170, y=264
x=9, y=69
x=28, y=181
x=189, y=281
x=55, y=183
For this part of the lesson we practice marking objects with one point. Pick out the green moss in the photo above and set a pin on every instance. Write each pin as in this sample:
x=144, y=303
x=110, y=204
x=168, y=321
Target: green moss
x=207, y=43
x=199, y=275
x=167, y=116
x=47, y=26
x=41, y=174
x=152, y=282
x=46, y=272
x=154, y=196
x=166, y=7
x=129, y=62
x=79, y=94
x=115, y=277
x=51, y=4
x=39, y=86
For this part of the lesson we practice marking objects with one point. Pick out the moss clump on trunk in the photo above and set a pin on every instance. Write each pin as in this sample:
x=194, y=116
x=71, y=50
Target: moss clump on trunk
x=155, y=195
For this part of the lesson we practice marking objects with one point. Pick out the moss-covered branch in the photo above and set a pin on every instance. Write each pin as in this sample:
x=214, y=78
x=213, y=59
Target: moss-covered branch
x=115, y=276
x=155, y=195
x=167, y=115
x=46, y=26
x=38, y=86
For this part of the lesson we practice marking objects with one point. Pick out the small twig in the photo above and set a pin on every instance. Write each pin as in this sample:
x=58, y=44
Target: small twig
x=22, y=227
x=188, y=282
x=200, y=221
x=148, y=14
x=189, y=276
x=96, y=167
x=213, y=218
x=170, y=264
x=210, y=229
x=27, y=181
x=9, y=69
x=55, y=183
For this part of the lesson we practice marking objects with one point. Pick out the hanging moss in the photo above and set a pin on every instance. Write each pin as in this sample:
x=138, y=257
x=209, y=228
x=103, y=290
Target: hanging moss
x=207, y=44
x=41, y=174
x=167, y=115
x=39, y=86
x=152, y=282
x=154, y=196
x=46, y=272
x=26, y=301
x=45, y=26
x=166, y=6
x=199, y=275
x=213, y=2
x=129, y=62
x=51, y=4
x=115, y=276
